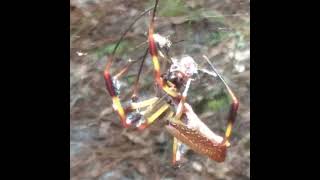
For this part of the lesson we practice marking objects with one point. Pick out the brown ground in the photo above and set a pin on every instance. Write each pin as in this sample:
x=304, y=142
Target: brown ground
x=99, y=147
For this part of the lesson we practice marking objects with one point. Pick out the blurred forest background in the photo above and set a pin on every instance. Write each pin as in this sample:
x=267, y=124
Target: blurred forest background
x=99, y=147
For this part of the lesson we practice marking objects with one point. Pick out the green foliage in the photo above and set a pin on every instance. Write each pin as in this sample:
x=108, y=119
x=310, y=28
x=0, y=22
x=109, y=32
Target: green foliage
x=241, y=43
x=213, y=16
x=200, y=14
x=195, y=15
x=220, y=101
x=219, y=36
x=216, y=37
x=171, y=8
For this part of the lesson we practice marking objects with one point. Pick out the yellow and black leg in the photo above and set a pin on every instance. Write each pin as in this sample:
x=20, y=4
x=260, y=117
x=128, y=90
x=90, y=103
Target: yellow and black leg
x=111, y=81
x=153, y=112
x=155, y=60
x=116, y=104
x=113, y=89
x=233, y=108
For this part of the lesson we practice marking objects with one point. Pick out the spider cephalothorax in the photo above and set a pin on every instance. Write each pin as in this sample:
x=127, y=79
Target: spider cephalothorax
x=181, y=70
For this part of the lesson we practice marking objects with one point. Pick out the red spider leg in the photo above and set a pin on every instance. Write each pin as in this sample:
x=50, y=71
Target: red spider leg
x=117, y=106
x=162, y=84
x=156, y=110
x=153, y=48
x=154, y=54
x=233, y=108
x=109, y=81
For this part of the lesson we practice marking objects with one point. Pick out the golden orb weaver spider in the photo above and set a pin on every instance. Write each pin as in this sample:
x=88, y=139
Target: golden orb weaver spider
x=181, y=120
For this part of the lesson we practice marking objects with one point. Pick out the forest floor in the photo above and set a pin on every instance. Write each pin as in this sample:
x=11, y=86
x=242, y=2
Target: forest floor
x=100, y=148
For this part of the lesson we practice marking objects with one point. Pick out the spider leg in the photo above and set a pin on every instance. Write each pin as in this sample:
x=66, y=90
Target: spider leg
x=197, y=135
x=154, y=112
x=176, y=154
x=134, y=96
x=177, y=144
x=116, y=103
x=233, y=107
x=232, y=114
x=125, y=69
x=180, y=107
x=135, y=115
x=154, y=55
x=111, y=83
x=143, y=104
